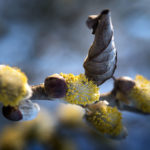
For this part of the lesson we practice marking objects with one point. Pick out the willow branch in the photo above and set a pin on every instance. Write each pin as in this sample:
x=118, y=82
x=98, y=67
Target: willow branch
x=39, y=93
x=110, y=97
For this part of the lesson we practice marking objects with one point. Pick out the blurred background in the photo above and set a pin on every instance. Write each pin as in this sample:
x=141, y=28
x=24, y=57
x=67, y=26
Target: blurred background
x=50, y=36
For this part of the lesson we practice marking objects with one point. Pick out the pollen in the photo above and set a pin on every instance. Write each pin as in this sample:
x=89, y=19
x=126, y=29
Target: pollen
x=80, y=90
x=141, y=94
x=107, y=120
x=13, y=85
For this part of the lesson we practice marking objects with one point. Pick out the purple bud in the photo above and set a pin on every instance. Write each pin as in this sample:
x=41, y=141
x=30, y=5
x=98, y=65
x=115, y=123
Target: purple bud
x=12, y=113
x=55, y=86
x=124, y=84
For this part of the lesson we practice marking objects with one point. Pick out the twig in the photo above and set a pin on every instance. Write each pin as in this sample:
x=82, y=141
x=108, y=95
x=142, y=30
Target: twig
x=123, y=107
x=39, y=93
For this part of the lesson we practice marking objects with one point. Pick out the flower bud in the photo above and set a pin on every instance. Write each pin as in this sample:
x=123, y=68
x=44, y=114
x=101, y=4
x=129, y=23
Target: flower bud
x=124, y=84
x=55, y=86
x=13, y=86
x=122, y=88
x=106, y=120
x=135, y=93
x=140, y=94
x=80, y=90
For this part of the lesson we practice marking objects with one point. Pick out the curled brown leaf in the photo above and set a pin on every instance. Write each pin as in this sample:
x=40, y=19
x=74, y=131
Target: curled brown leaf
x=101, y=61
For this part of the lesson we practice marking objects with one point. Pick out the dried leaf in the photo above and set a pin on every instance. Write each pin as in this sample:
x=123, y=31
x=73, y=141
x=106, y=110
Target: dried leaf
x=101, y=61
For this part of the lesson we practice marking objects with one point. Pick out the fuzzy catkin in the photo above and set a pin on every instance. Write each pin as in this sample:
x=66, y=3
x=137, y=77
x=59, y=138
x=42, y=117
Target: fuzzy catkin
x=80, y=90
x=13, y=85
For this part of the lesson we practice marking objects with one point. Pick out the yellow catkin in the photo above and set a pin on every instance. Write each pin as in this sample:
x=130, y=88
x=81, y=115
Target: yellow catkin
x=140, y=94
x=80, y=90
x=70, y=114
x=107, y=120
x=12, y=85
x=11, y=139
